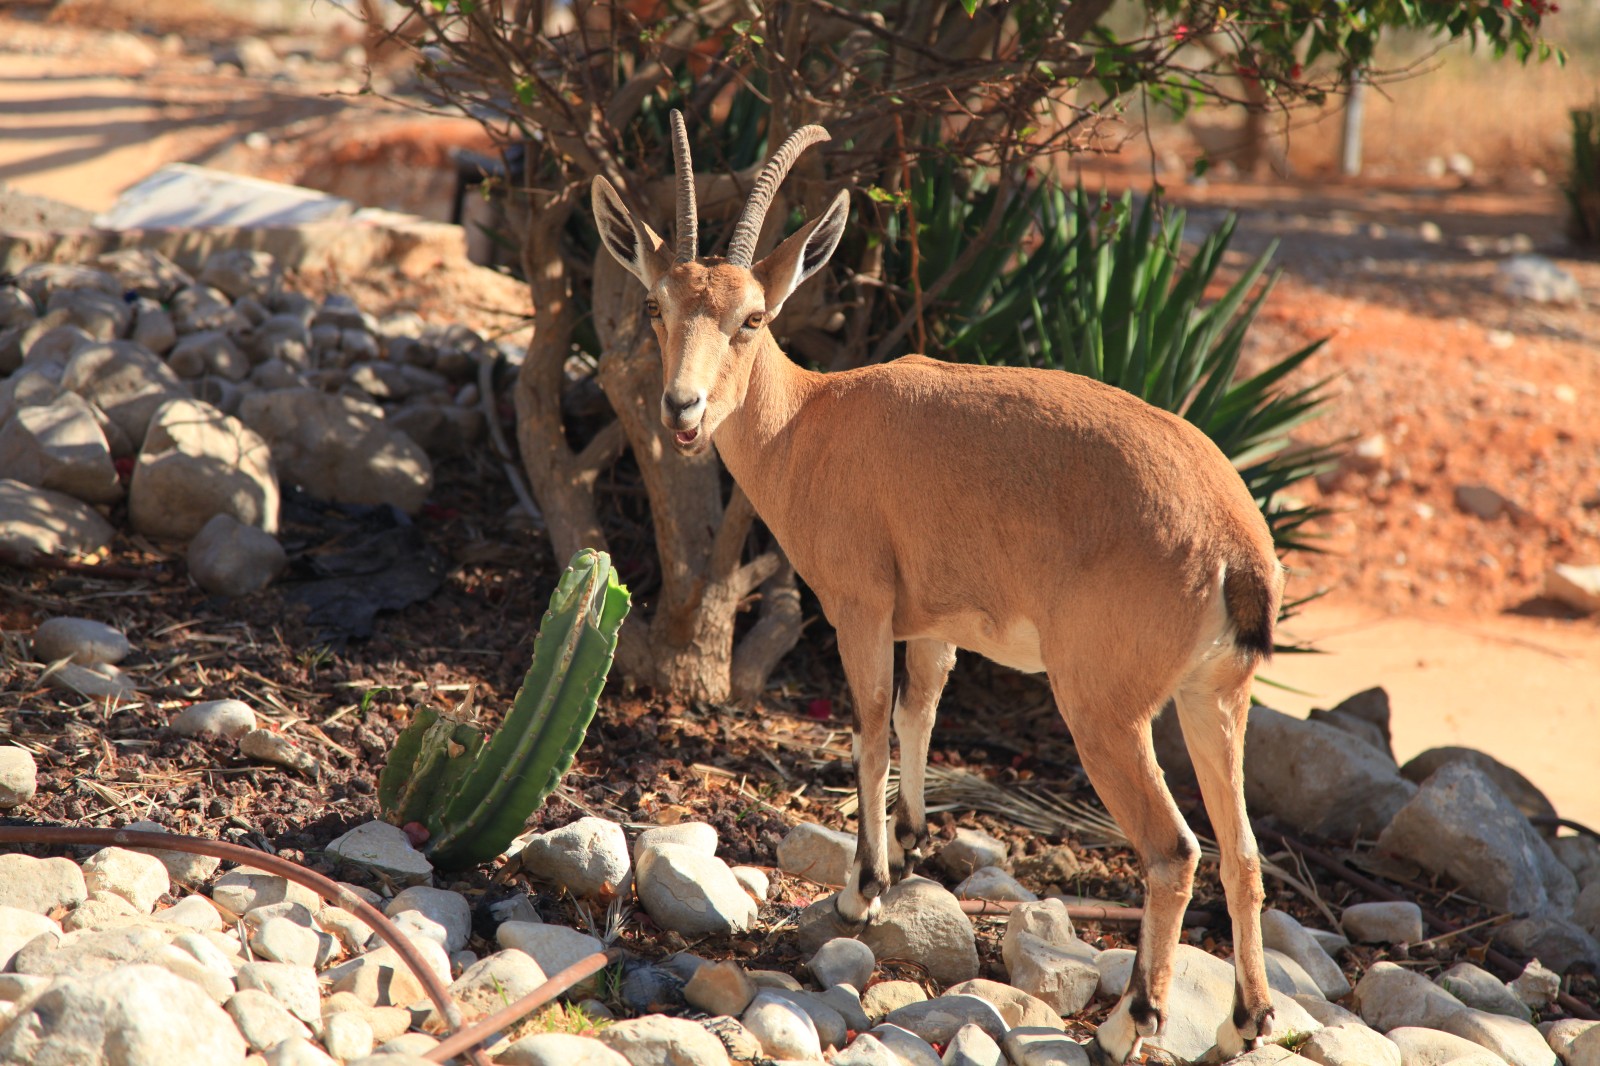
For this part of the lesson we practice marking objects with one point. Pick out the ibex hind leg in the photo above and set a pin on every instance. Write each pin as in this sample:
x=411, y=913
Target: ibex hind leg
x=867, y=651
x=928, y=664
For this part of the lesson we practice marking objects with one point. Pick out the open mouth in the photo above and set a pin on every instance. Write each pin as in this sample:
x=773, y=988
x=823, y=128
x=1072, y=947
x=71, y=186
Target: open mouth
x=686, y=437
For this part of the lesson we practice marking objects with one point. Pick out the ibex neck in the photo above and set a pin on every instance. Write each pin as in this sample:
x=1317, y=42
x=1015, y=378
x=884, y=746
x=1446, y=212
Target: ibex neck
x=756, y=439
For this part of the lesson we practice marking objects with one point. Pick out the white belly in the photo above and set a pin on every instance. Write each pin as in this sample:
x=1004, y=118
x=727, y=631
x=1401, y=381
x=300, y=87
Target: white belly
x=1015, y=645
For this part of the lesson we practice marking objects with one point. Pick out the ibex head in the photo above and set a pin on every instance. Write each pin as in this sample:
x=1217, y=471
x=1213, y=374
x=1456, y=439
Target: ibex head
x=710, y=315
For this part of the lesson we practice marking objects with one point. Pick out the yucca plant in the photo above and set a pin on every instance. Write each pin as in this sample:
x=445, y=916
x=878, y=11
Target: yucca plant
x=474, y=797
x=1104, y=290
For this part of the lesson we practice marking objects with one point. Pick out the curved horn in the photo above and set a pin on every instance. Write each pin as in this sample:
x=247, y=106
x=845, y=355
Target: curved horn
x=688, y=215
x=742, y=249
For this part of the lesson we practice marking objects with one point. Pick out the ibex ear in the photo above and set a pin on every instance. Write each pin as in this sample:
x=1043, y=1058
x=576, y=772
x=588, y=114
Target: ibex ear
x=635, y=244
x=802, y=255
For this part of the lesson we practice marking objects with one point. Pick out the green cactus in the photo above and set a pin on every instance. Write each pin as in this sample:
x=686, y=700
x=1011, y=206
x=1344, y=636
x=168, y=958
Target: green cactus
x=474, y=797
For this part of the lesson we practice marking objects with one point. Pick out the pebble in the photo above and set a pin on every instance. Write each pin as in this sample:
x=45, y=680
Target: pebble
x=83, y=640
x=588, y=858
x=233, y=558
x=219, y=718
x=1576, y=586
x=559, y=1049
x=137, y=877
x=380, y=979
x=831, y=1027
x=785, y=1031
x=1063, y=980
x=754, y=881
x=1281, y=932
x=1044, y=1047
x=242, y=890
x=1537, y=986
x=450, y=909
x=1420, y=1045
x=18, y=926
x=40, y=885
x=842, y=960
x=1477, y=987
x=492, y=983
x=658, y=1039
x=817, y=853
x=921, y=922
x=993, y=883
x=553, y=947
x=1015, y=1006
x=347, y=1035
x=971, y=1046
x=697, y=835
x=938, y=1020
x=905, y=1045
x=19, y=777
x=867, y=1050
x=383, y=848
x=298, y=1051
x=1511, y=1039
x=262, y=1020
x=886, y=996
x=295, y=987
x=1350, y=1045
x=276, y=748
x=182, y=867
x=720, y=988
x=280, y=939
x=1391, y=997
x=100, y=684
x=970, y=851
x=691, y=893
x=1383, y=923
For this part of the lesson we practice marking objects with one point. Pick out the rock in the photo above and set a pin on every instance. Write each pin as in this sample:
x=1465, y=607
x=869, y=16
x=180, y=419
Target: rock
x=297, y=1051
x=775, y=979
x=103, y=682
x=753, y=880
x=1422, y=1046
x=18, y=927
x=1536, y=986
x=1318, y=778
x=278, y=749
x=36, y=522
x=493, y=983
x=842, y=961
x=1461, y=825
x=145, y=272
x=970, y=851
x=1576, y=586
x=263, y=1021
x=1584, y=1047
x=19, y=778
x=1389, y=997
x=691, y=893
x=102, y=913
x=1518, y=789
x=906, y=1047
x=209, y=352
x=81, y=640
x=1331, y=942
x=132, y=1016
x=281, y=939
x=655, y=1040
x=920, y=922
x=1483, y=502
x=647, y=988
x=1015, y=1006
x=588, y=858
x=450, y=909
x=138, y=878
x=1115, y=966
x=215, y=718
x=938, y=1020
x=85, y=952
x=348, y=1035
x=1046, y=920
x=197, y=463
x=1281, y=932
x=1586, y=912
x=1536, y=279
x=384, y=848
x=1328, y=1014
x=153, y=328
x=971, y=1046
x=1288, y=976
x=1043, y=1047
x=183, y=868
x=559, y=1049
x=60, y=447
x=230, y=558
x=831, y=1026
x=338, y=448
x=553, y=947
x=1549, y=937
x=242, y=890
x=125, y=381
x=1061, y=979
x=1477, y=987
x=846, y=1002
x=101, y=315
x=887, y=996
x=817, y=853
x=696, y=835
x=1350, y=1045
x=381, y=979
x=785, y=1031
x=40, y=885
x=1511, y=1039
x=993, y=883
x=238, y=272
x=720, y=988
x=1383, y=923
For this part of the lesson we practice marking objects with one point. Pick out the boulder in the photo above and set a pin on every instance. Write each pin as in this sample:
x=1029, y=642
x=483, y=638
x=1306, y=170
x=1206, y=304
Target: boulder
x=126, y=382
x=60, y=447
x=35, y=521
x=197, y=463
x=1317, y=778
x=1523, y=794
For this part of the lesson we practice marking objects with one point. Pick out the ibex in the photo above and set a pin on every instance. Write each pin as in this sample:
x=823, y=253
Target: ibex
x=1042, y=519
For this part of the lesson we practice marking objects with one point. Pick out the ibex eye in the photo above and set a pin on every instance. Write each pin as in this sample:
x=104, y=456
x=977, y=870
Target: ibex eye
x=652, y=309
x=754, y=321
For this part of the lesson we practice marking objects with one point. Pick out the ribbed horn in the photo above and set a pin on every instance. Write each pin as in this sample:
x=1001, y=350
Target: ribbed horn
x=742, y=249
x=688, y=214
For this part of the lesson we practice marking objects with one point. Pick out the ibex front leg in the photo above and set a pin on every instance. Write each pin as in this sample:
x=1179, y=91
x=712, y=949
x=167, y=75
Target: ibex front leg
x=928, y=664
x=866, y=647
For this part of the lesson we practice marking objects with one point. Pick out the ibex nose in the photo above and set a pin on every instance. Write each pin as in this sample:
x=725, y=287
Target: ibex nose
x=682, y=412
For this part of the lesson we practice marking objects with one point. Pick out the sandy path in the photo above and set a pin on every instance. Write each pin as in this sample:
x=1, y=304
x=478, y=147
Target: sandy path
x=1525, y=690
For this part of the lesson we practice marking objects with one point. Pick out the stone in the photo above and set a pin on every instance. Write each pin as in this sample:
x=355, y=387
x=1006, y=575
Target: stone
x=338, y=449
x=19, y=778
x=720, y=988
x=1288, y=976
x=102, y=682
x=920, y=921
x=407, y=1048
x=450, y=909
x=385, y=849
x=559, y=1049
x=1523, y=794
x=28, y=388
x=1461, y=825
x=832, y=1030
x=553, y=947
x=775, y=979
x=231, y=558
x=971, y=1046
x=1478, y=988
x=1328, y=1014
x=102, y=913
x=688, y=892
x=1422, y=1046
x=648, y=988
x=846, y=1002
x=1015, y=1006
x=1281, y=932
x=493, y=983
x=273, y=747
x=230, y=719
x=655, y=1040
x=196, y=463
x=286, y=940
x=18, y=927
x=1391, y=997
x=938, y=1020
x=1061, y=979
x=294, y=986
x=1331, y=942
x=753, y=880
x=242, y=890
x=263, y=1021
x=1576, y=586
x=126, y=382
x=298, y=1051
x=970, y=851
x=1551, y=938
x=182, y=867
x=209, y=352
x=347, y=1035
x=133, y=1016
x=1584, y=1049
x=784, y=1030
x=993, y=883
x=201, y=307
x=85, y=952
x=817, y=853
x=35, y=521
x=887, y=996
x=82, y=640
x=588, y=858
x=102, y=315
x=144, y=271
x=1043, y=1047
x=1512, y=1039
x=1586, y=912
x=380, y=978
x=1536, y=279
x=1318, y=778
x=906, y=1046
x=153, y=328
x=697, y=835
x=1350, y=1045
x=238, y=272
x=1536, y=986
x=139, y=878
x=1046, y=920
x=1399, y=922
x=842, y=960
x=1483, y=502
x=203, y=951
x=62, y=448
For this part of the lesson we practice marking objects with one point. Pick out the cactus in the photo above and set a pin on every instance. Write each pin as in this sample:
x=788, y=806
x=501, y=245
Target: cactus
x=474, y=796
